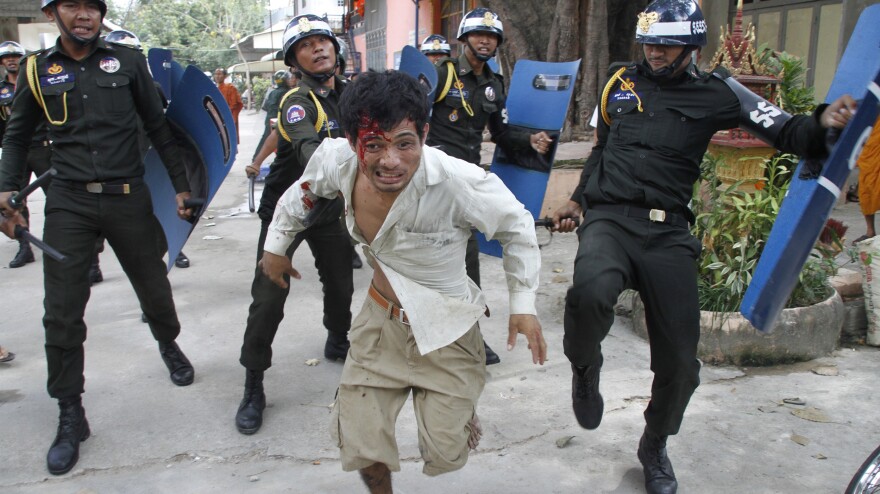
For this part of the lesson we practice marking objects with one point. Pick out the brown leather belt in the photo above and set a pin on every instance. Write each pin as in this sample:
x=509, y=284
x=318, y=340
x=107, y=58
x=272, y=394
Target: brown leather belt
x=396, y=312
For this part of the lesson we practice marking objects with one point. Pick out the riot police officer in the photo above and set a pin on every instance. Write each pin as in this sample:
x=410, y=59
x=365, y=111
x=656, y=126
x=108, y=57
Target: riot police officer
x=38, y=153
x=471, y=97
x=657, y=117
x=91, y=93
x=123, y=37
x=309, y=113
x=435, y=47
x=282, y=81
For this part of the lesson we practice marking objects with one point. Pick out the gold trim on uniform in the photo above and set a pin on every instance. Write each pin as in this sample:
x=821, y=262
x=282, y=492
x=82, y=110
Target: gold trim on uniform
x=459, y=85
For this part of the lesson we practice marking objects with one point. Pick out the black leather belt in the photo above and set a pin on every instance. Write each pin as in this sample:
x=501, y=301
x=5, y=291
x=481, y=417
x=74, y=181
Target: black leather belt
x=655, y=215
x=116, y=187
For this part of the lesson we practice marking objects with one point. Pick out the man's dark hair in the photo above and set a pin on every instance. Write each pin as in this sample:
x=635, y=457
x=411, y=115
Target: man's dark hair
x=388, y=97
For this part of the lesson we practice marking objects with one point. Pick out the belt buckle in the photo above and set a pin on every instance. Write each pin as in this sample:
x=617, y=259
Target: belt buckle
x=401, y=316
x=95, y=187
x=657, y=215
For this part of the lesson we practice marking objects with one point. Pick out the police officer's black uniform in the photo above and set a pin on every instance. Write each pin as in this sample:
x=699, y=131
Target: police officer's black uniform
x=37, y=161
x=270, y=106
x=329, y=242
x=459, y=134
x=92, y=106
x=648, y=159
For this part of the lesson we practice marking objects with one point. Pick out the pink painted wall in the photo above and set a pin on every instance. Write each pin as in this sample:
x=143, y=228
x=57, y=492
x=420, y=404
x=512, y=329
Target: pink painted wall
x=401, y=23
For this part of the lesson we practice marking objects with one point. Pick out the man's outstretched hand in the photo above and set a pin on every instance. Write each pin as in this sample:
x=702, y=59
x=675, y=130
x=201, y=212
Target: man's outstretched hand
x=529, y=326
x=275, y=267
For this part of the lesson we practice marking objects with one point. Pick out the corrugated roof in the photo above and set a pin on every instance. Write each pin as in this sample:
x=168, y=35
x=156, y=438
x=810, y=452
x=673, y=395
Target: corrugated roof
x=20, y=8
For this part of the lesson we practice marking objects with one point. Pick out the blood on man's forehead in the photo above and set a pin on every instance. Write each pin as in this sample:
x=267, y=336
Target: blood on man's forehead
x=369, y=128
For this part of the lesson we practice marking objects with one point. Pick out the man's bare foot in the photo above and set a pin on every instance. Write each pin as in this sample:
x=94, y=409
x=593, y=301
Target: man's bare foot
x=377, y=477
x=476, y=432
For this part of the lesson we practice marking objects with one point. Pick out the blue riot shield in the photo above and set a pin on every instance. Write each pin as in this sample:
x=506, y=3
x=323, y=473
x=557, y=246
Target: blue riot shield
x=540, y=93
x=414, y=63
x=202, y=122
x=803, y=215
x=166, y=71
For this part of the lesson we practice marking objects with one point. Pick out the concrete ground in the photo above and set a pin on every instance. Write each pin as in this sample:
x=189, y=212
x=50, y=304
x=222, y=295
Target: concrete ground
x=149, y=436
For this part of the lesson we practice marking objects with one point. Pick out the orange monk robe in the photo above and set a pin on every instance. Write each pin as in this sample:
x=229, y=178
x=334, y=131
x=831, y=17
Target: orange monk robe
x=233, y=99
x=869, y=173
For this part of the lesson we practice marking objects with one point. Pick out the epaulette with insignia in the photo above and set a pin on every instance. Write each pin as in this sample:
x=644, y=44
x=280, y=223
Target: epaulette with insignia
x=442, y=61
x=720, y=72
x=614, y=67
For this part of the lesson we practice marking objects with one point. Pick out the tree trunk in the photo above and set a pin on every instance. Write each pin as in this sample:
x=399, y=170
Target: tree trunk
x=596, y=31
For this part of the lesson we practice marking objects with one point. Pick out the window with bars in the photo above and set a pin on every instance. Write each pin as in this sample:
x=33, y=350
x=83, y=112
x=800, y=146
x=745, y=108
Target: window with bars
x=376, y=53
x=809, y=29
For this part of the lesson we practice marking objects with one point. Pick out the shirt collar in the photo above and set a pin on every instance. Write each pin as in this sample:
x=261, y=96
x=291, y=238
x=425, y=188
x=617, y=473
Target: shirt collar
x=321, y=90
x=464, y=66
x=96, y=45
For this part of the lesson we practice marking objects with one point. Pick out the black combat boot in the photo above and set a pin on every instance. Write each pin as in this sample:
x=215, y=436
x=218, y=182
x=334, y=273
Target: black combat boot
x=659, y=477
x=182, y=261
x=585, y=398
x=337, y=346
x=491, y=357
x=181, y=370
x=24, y=256
x=249, y=417
x=73, y=428
x=95, y=275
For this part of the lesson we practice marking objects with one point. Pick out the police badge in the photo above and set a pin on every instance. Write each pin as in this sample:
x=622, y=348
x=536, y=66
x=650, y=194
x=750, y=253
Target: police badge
x=646, y=20
x=490, y=93
x=489, y=19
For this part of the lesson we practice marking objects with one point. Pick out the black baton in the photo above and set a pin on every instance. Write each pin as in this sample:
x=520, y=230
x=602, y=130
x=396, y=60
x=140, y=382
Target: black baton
x=22, y=233
x=251, y=182
x=16, y=201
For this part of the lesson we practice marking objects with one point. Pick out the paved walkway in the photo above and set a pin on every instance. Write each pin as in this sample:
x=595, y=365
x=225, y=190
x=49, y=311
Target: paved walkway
x=149, y=436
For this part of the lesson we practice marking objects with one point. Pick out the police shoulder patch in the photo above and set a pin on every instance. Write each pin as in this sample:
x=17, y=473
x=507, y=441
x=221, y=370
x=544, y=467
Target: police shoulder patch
x=295, y=113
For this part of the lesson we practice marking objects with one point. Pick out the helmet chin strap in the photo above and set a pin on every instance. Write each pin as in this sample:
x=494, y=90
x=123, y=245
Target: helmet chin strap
x=321, y=78
x=482, y=58
x=667, y=71
x=79, y=39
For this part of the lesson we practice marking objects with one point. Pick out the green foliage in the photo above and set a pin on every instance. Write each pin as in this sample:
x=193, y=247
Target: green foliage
x=795, y=96
x=200, y=32
x=734, y=228
x=261, y=85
